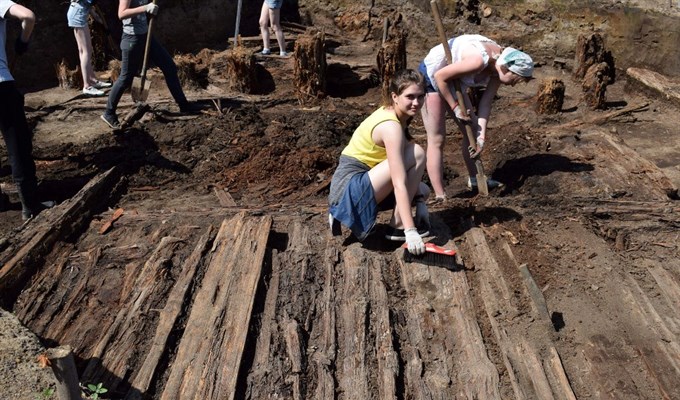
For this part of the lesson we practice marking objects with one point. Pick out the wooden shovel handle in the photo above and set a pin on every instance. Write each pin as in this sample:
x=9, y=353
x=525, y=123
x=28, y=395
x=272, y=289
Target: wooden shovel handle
x=449, y=60
x=146, y=48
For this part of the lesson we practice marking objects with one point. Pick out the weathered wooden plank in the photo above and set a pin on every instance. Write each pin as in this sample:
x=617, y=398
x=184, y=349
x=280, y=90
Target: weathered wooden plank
x=168, y=318
x=610, y=378
x=442, y=313
x=671, y=292
x=535, y=371
x=538, y=303
x=209, y=356
x=112, y=354
x=388, y=365
x=656, y=83
x=22, y=258
x=483, y=259
x=327, y=346
x=562, y=386
x=291, y=333
x=353, y=379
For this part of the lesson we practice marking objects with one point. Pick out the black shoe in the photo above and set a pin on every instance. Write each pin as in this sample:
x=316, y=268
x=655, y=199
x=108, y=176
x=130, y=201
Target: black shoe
x=27, y=213
x=190, y=108
x=111, y=121
x=398, y=235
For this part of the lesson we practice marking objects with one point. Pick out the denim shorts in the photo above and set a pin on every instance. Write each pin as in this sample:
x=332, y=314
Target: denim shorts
x=357, y=208
x=274, y=4
x=77, y=15
x=429, y=87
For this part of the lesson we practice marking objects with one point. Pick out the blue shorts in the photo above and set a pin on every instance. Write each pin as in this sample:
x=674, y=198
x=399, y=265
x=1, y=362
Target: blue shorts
x=429, y=87
x=274, y=4
x=77, y=15
x=357, y=208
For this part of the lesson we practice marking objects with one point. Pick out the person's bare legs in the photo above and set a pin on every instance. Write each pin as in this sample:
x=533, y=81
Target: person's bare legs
x=381, y=179
x=264, y=25
x=434, y=120
x=274, y=20
x=84, y=42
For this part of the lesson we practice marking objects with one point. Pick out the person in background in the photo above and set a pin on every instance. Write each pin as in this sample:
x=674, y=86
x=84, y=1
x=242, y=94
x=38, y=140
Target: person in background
x=381, y=168
x=133, y=13
x=478, y=62
x=15, y=131
x=271, y=14
x=77, y=19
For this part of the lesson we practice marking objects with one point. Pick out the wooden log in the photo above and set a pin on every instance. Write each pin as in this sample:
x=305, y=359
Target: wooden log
x=391, y=58
x=442, y=325
x=388, y=364
x=309, y=69
x=141, y=382
x=654, y=83
x=595, y=84
x=539, y=380
x=292, y=337
x=550, y=96
x=325, y=356
x=110, y=359
x=21, y=259
x=559, y=375
x=221, y=311
x=353, y=309
x=607, y=370
x=237, y=67
x=64, y=368
x=538, y=304
x=590, y=50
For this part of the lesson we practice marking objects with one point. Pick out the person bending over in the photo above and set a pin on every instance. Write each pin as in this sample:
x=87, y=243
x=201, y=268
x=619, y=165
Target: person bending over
x=478, y=62
x=381, y=168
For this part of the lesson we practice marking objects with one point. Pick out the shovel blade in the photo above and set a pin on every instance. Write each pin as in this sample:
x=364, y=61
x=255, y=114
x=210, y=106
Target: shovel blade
x=140, y=89
x=482, y=184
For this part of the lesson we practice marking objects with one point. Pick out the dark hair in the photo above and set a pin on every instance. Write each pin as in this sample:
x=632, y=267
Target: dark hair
x=403, y=79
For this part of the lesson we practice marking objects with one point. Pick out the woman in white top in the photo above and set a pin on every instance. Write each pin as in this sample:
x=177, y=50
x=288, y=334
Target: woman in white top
x=477, y=62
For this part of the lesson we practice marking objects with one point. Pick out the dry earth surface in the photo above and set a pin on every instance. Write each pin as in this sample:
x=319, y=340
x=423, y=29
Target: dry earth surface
x=190, y=256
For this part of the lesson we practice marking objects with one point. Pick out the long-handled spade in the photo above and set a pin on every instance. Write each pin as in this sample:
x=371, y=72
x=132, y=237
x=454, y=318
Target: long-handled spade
x=140, y=85
x=482, y=185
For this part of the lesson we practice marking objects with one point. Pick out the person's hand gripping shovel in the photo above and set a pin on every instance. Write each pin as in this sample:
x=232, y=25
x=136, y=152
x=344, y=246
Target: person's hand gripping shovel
x=482, y=185
x=140, y=85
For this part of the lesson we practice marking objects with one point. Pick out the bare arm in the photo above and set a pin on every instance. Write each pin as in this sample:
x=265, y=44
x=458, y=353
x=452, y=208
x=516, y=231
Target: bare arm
x=470, y=63
x=124, y=10
x=391, y=134
x=27, y=18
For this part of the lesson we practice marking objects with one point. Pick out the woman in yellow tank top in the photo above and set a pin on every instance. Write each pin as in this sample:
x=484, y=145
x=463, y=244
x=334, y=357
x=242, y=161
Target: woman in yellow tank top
x=381, y=168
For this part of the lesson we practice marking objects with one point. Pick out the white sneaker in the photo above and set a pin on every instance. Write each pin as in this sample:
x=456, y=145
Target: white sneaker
x=102, y=84
x=93, y=91
x=266, y=52
x=334, y=224
x=284, y=54
x=490, y=183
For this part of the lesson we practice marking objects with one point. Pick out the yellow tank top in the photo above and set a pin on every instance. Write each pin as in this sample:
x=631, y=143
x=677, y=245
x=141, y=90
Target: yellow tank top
x=361, y=145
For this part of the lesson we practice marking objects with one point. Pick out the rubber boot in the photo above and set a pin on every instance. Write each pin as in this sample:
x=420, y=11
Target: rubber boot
x=30, y=206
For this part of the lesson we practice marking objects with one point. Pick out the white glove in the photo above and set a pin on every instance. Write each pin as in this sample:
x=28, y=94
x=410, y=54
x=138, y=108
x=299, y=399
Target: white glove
x=151, y=8
x=459, y=114
x=422, y=215
x=415, y=243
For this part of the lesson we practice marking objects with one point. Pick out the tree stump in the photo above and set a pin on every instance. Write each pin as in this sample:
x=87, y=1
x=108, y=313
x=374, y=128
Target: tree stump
x=595, y=85
x=590, y=50
x=310, y=66
x=237, y=66
x=192, y=71
x=68, y=78
x=550, y=96
x=391, y=58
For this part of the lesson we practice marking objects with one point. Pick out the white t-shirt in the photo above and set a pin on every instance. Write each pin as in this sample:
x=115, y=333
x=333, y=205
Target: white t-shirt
x=436, y=58
x=5, y=74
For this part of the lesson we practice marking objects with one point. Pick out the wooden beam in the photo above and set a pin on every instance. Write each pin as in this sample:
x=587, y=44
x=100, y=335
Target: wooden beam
x=213, y=342
x=25, y=255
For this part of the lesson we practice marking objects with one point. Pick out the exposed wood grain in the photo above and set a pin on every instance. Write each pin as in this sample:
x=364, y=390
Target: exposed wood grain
x=22, y=258
x=561, y=380
x=353, y=309
x=292, y=335
x=539, y=380
x=326, y=353
x=388, y=365
x=210, y=352
x=538, y=304
x=168, y=318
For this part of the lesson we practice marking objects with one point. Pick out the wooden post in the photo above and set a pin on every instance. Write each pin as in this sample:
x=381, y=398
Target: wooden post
x=64, y=368
x=237, y=66
x=391, y=58
x=310, y=66
x=550, y=96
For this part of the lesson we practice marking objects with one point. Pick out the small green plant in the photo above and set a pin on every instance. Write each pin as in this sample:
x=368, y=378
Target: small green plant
x=96, y=390
x=45, y=394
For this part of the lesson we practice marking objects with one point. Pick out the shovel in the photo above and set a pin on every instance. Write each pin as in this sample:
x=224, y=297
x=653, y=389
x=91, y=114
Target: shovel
x=140, y=86
x=482, y=185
